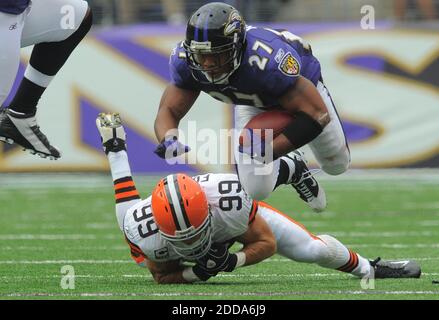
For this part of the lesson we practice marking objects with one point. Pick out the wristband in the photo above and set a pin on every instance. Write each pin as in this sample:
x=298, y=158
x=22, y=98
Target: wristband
x=241, y=259
x=189, y=275
x=302, y=130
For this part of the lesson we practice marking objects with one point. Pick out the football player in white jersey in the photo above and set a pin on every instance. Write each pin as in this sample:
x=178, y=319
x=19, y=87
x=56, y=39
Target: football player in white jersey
x=55, y=27
x=197, y=219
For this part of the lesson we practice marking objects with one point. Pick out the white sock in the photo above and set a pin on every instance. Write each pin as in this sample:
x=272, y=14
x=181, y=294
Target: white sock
x=291, y=166
x=126, y=194
x=363, y=268
x=343, y=259
x=37, y=77
x=119, y=164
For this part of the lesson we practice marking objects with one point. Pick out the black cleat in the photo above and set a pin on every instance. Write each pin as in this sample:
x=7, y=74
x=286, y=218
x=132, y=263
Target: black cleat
x=305, y=184
x=112, y=132
x=395, y=269
x=23, y=130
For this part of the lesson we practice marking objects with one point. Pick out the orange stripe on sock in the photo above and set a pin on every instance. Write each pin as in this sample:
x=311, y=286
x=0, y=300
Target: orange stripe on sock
x=346, y=266
x=123, y=185
x=355, y=264
x=126, y=194
x=343, y=268
x=352, y=263
x=265, y=205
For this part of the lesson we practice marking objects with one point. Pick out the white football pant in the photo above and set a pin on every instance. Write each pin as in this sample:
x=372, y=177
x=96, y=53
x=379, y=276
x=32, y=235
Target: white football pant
x=42, y=21
x=329, y=148
x=295, y=242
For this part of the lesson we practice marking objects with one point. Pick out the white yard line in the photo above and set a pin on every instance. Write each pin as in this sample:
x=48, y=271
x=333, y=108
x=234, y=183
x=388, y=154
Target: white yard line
x=428, y=223
x=63, y=226
x=384, y=234
x=56, y=237
x=69, y=180
x=223, y=294
x=350, y=234
x=128, y=261
x=79, y=261
x=50, y=237
x=285, y=260
x=394, y=245
x=81, y=248
x=126, y=248
x=92, y=180
x=225, y=275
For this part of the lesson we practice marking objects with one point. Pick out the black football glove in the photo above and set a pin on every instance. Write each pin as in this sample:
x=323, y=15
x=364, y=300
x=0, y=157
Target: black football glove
x=217, y=259
x=202, y=273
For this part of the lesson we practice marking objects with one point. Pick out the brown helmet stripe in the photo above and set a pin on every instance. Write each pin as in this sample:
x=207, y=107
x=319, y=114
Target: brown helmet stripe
x=181, y=202
x=175, y=200
x=171, y=205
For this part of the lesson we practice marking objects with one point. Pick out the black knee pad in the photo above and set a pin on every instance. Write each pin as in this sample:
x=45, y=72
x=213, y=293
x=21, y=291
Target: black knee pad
x=49, y=57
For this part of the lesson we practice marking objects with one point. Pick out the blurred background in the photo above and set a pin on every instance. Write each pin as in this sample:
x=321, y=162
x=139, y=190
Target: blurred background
x=177, y=11
x=380, y=61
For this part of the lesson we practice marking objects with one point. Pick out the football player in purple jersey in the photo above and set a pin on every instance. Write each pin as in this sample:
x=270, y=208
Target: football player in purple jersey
x=256, y=69
x=40, y=23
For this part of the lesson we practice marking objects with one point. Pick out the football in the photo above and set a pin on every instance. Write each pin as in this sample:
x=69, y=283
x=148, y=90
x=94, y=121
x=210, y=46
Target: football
x=276, y=120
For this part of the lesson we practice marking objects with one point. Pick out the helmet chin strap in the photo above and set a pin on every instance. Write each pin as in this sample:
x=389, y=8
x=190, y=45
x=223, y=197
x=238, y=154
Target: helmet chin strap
x=224, y=78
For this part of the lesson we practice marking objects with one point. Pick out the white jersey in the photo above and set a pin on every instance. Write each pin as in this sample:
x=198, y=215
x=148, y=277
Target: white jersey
x=231, y=208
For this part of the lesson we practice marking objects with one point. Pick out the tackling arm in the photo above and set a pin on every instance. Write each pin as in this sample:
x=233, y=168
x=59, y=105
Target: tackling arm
x=166, y=272
x=259, y=242
x=304, y=101
x=174, y=105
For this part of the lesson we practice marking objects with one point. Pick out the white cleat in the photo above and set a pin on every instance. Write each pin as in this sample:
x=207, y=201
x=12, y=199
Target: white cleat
x=24, y=131
x=112, y=132
x=305, y=184
x=7, y=140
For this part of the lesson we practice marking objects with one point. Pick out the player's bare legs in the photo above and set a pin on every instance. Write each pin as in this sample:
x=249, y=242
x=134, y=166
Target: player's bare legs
x=298, y=244
x=54, y=45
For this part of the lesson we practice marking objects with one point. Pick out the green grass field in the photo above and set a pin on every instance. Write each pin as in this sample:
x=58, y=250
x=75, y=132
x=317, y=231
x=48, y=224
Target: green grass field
x=47, y=223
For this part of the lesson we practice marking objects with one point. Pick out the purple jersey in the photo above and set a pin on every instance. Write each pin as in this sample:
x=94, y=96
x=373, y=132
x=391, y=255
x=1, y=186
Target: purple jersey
x=271, y=64
x=13, y=6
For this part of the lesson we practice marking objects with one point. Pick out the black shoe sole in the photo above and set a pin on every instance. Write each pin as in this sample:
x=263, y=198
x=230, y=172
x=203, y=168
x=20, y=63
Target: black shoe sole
x=31, y=151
